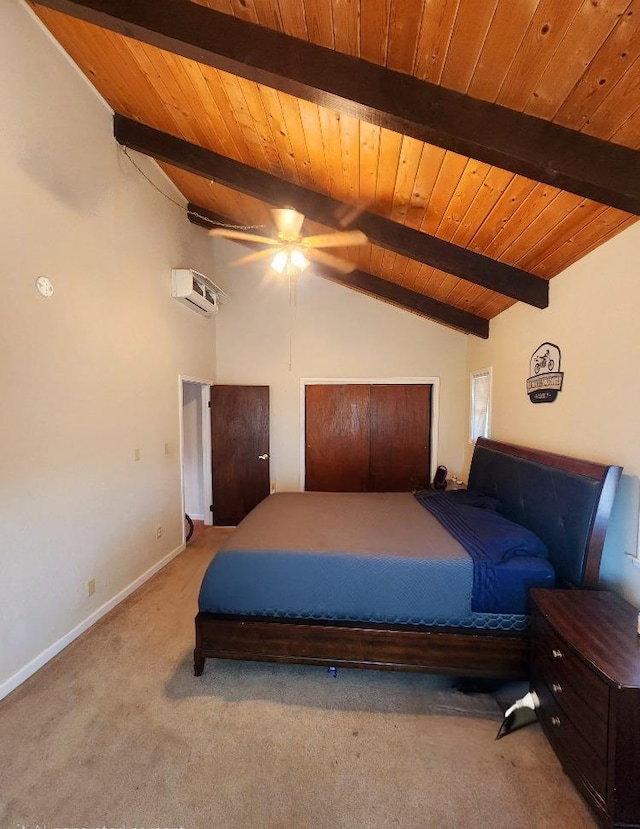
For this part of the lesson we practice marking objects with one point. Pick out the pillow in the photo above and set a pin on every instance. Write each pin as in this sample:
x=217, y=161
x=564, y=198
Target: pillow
x=473, y=498
x=461, y=497
x=501, y=538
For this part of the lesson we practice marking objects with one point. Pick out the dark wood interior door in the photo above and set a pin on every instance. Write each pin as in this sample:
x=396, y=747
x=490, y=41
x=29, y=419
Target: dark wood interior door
x=399, y=438
x=239, y=451
x=337, y=438
x=367, y=438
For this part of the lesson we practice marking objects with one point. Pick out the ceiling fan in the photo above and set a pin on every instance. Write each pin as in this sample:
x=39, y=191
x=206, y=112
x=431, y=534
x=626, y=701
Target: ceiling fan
x=289, y=249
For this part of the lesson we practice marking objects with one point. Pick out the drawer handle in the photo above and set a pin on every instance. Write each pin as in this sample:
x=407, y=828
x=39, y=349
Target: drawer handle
x=555, y=721
x=556, y=654
x=556, y=688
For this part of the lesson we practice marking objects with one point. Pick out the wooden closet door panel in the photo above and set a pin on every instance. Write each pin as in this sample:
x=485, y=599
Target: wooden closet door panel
x=400, y=438
x=337, y=438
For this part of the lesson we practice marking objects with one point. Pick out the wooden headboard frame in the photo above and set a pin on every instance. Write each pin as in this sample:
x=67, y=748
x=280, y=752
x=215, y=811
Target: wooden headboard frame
x=538, y=490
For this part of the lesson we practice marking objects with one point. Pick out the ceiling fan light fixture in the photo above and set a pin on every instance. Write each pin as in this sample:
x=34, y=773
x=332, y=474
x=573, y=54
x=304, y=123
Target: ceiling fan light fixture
x=287, y=256
x=279, y=262
x=290, y=262
x=299, y=260
x=288, y=223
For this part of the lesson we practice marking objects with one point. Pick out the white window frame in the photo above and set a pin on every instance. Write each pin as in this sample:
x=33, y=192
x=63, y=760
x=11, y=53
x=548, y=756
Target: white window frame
x=475, y=375
x=635, y=556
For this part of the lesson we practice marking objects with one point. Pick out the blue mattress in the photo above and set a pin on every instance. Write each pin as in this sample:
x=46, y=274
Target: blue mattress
x=372, y=557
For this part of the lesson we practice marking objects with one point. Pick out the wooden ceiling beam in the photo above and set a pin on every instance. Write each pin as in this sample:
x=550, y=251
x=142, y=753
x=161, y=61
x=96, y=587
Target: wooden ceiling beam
x=528, y=146
x=374, y=286
x=438, y=253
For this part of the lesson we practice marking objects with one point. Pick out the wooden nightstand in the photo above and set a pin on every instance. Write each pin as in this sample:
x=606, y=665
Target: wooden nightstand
x=585, y=668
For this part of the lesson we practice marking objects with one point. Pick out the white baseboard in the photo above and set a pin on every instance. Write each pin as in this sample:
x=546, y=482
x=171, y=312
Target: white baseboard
x=196, y=517
x=30, y=668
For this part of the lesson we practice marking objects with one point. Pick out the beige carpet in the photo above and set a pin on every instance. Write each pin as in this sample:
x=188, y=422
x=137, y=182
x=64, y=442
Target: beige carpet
x=116, y=731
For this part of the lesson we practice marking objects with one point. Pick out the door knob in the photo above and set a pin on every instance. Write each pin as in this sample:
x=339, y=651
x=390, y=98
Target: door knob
x=263, y=457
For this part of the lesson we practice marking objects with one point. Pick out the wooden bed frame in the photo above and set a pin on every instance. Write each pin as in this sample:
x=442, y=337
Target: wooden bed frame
x=520, y=477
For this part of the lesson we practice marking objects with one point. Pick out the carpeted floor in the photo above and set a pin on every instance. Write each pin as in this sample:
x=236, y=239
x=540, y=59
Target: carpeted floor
x=117, y=732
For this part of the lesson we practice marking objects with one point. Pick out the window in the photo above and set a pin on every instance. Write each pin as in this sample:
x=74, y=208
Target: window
x=480, y=415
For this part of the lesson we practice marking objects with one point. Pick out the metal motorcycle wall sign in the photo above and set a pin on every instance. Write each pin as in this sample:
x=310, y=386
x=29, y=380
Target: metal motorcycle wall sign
x=545, y=378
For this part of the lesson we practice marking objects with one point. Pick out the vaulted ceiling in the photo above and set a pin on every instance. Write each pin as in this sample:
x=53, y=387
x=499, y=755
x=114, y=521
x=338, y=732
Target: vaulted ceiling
x=481, y=145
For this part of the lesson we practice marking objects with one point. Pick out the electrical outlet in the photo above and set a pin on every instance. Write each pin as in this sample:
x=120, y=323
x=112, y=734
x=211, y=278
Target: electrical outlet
x=158, y=532
x=167, y=449
x=136, y=454
x=91, y=587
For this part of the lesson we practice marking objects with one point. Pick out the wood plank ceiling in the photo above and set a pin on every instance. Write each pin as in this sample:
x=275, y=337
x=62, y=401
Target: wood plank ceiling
x=484, y=145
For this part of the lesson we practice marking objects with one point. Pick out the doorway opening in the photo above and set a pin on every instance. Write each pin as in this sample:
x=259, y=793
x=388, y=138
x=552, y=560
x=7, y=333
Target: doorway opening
x=195, y=449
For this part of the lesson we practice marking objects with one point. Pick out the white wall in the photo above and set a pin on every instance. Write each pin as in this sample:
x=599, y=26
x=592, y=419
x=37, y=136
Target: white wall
x=593, y=318
x=334, y=333
x=192, y=450
x=91, y=374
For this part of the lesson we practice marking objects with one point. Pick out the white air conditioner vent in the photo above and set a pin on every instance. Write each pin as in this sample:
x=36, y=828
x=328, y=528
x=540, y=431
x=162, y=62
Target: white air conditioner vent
x=196, y=291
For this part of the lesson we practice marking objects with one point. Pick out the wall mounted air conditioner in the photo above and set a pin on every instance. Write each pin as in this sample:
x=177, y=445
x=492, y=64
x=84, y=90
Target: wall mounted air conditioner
x=196, y=291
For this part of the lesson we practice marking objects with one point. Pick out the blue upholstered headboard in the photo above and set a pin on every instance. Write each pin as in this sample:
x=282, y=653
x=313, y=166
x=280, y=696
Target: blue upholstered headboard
x=565, y=501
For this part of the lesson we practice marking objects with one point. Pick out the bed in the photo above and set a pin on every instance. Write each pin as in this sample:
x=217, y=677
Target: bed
x=385, y=580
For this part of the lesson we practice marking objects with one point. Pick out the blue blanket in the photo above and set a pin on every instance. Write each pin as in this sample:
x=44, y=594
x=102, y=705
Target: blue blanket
x=488, y=537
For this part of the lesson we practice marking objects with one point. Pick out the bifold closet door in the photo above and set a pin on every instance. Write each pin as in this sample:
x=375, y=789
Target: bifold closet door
x=367, y=437
x=399, y=438
x=337, y=438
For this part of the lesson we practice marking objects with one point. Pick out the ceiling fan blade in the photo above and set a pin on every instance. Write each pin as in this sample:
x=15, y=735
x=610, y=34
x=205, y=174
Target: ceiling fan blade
x=333, y=240
x=227, y=233
x=288, y=222
x=330, y=261
x=253, y=257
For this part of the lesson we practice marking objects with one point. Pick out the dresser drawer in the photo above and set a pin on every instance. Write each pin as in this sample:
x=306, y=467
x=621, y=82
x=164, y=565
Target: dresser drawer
x=573, y=706
x=569, y=743
x=583, y=693
x=571, y=701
